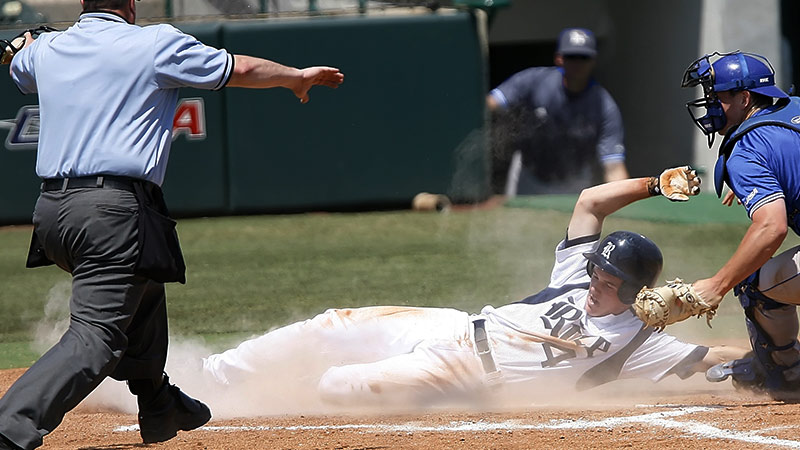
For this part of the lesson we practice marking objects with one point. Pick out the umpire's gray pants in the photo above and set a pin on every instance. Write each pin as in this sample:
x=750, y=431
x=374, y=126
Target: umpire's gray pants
x=118, y=321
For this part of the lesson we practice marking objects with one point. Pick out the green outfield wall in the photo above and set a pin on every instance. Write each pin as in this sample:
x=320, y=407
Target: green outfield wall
x=409, y=118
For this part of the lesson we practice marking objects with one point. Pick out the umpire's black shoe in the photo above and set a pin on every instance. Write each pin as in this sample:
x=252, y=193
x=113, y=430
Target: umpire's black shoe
x=171, y=410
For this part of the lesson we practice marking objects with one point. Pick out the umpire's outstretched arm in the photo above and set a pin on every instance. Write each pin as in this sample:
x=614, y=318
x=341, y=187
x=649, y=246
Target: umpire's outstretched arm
x=258, y=73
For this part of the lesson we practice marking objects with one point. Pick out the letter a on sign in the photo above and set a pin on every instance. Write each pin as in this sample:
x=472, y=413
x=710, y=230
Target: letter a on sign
x=190, y=119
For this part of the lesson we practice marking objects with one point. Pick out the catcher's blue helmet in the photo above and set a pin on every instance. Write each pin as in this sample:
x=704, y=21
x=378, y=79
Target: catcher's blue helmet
x=629, y=256
x=735, y=71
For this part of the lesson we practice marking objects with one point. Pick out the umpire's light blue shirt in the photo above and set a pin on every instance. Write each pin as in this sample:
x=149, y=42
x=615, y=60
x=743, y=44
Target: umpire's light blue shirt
x=108, y=91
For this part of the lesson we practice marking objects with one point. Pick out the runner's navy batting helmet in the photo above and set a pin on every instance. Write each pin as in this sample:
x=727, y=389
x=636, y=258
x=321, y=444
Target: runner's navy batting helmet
x=735, y=71
x=628, y=256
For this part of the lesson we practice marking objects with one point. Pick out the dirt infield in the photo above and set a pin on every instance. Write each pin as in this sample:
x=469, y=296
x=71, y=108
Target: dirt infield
x=674, y=414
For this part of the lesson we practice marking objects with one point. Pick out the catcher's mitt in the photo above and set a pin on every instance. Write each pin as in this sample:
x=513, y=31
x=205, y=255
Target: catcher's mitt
x=674, y=302
x=10, y=48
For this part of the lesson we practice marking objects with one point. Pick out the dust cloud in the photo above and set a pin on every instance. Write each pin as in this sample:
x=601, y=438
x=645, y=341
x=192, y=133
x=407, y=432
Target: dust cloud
x=290, y=388
x=48, y=330
x=281, y=392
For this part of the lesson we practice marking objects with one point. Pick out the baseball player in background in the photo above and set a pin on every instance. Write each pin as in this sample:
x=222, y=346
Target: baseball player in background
x=107, y=96
x=579, y=332
x=759, y=159
x=562, y=128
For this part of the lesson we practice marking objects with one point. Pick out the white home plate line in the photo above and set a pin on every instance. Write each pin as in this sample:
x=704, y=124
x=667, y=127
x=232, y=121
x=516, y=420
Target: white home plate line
x=776, y=428
x=657, y=419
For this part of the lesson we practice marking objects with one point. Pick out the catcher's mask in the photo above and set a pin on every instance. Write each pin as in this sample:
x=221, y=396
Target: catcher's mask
x=734, y=71
x=628, y=256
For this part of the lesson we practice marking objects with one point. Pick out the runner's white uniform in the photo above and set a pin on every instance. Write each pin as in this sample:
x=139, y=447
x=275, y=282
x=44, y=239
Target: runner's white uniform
x=559, y=311
x=375, y=354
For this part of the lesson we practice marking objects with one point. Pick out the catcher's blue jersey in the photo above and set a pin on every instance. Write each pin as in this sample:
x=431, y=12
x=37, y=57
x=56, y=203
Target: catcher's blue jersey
x=764, y=166
x=127, y=127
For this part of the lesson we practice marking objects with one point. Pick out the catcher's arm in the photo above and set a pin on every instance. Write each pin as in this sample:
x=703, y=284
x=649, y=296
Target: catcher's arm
x=763, y=238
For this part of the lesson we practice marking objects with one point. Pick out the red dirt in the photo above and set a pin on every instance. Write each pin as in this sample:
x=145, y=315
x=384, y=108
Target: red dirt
x=732, y=419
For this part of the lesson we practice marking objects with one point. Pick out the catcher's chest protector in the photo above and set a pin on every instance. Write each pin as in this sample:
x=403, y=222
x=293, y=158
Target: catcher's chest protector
x=787, y=116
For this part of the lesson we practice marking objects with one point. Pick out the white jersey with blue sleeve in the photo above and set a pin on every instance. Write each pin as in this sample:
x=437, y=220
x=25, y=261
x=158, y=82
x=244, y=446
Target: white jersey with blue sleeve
x=132, y=75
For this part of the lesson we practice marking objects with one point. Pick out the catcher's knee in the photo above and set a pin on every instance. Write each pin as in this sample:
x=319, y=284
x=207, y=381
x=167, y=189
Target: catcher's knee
x=750, y=297
x=771, y=375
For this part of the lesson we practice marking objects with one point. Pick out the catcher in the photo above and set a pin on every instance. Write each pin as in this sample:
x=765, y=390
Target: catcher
x=758, y=160
x=580, y=331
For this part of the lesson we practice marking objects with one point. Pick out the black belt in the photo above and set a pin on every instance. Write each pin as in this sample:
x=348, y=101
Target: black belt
x=94, y=181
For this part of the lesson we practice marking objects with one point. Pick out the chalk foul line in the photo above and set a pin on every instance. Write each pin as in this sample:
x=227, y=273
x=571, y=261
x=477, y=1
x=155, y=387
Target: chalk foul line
x=662, y=419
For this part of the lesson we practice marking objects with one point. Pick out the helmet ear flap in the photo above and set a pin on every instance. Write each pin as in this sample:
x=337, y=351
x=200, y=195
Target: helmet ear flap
x=627, y=293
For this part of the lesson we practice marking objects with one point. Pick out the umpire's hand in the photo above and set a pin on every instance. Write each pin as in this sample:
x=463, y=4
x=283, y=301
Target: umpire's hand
x=316, y=76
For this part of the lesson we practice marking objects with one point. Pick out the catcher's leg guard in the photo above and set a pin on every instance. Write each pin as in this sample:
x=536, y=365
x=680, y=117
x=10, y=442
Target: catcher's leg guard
x=766, y=321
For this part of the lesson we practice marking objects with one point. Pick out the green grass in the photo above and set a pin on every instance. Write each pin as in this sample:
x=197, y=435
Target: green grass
x=249, y=274
x=705, y=208
x=16, y=354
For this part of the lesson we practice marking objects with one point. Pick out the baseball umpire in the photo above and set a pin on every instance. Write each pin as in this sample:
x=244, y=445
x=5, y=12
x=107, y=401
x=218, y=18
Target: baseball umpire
x=579, y=332
x=760, y=162
x=107, y=93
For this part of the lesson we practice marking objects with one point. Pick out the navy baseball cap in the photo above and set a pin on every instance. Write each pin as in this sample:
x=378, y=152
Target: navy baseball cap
x=577, y=41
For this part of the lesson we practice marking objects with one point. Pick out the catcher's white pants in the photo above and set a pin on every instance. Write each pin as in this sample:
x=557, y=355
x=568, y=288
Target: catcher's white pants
x=361, y=356
x=779, y=280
